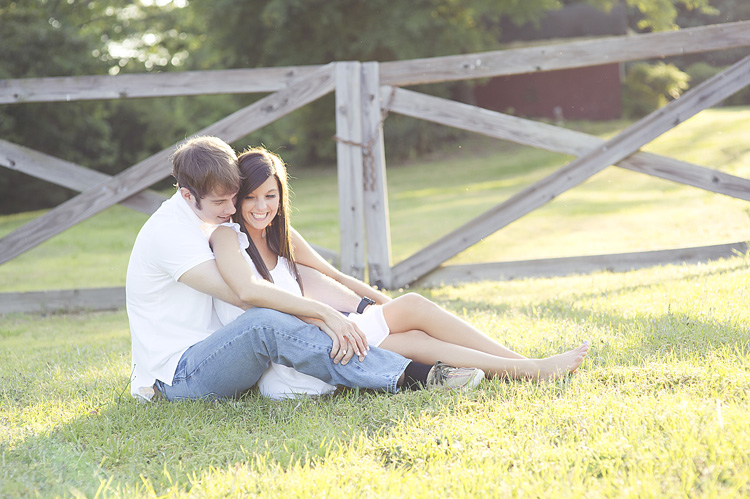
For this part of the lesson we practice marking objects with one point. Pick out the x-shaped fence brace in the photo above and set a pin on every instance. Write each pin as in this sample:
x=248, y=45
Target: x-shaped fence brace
x=360, y=131
x=593, y=154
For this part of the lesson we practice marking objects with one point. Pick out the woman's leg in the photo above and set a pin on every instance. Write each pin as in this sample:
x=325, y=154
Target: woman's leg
x=415, y=312
x=421, y=347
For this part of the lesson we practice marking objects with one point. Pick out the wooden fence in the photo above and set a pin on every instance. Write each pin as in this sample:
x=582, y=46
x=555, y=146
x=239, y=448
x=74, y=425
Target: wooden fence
x=365, y=93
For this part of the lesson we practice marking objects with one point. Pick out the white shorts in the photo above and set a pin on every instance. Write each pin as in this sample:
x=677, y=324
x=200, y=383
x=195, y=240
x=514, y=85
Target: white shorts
x=372, y=323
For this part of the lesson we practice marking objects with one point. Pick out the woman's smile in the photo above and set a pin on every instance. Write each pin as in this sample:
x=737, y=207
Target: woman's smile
x=261, y=206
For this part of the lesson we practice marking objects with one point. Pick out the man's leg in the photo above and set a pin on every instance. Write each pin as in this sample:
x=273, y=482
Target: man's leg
x=234, y=357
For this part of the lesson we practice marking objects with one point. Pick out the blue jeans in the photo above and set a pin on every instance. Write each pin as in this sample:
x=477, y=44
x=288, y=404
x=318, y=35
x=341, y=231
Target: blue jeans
x=233, y=358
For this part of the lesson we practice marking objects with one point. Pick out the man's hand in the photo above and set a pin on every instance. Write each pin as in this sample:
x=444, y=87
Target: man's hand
x=348, y=338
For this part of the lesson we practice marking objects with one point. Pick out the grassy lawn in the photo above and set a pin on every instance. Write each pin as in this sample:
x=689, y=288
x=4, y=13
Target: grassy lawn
x=659, y=408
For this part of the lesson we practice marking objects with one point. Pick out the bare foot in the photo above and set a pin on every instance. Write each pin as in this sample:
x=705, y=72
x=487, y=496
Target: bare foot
x=558, y=366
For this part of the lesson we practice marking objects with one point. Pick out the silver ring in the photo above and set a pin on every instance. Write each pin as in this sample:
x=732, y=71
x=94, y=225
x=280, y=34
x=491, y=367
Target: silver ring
x=344, y=352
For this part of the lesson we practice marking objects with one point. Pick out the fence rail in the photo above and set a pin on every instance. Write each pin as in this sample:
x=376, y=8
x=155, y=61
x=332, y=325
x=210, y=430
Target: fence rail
x=365, y=94
x=709, y=93
x=156, y=167
x=128, y=86
x=396, y=73
x=566, y=55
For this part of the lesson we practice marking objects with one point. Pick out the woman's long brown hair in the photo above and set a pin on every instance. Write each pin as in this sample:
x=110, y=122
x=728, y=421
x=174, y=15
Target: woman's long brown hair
x=257, y=165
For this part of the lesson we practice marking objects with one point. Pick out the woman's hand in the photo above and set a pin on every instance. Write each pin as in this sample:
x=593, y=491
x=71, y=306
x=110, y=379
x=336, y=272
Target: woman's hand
x=348, y=338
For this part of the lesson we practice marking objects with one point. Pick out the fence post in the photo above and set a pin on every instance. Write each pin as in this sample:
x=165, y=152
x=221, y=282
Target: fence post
x=349, y=161
x=377, y=227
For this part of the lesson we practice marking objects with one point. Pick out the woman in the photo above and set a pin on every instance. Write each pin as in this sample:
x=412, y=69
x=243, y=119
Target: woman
x=409, y=325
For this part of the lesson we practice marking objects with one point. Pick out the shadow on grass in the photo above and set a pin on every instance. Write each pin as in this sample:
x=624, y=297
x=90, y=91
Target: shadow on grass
x=124, y=446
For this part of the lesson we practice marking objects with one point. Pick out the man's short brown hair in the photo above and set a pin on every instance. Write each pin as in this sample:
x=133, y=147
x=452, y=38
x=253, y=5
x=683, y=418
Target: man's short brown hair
x=206, y=165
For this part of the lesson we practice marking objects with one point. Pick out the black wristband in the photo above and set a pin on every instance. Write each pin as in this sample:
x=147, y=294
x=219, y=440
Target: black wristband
x=363, y=304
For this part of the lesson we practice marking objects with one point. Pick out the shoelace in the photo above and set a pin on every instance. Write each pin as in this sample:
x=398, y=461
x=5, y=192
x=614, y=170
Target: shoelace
x=441, y=372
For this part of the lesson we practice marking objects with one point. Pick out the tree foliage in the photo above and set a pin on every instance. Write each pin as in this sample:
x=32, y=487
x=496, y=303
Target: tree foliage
x=261, y=33
x=42, y=38
x=82, y=37
x=658, y=15
x=650, y=86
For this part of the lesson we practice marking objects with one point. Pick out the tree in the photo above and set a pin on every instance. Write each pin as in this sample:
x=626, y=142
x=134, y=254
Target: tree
x=657, y=15
x=42, y=38
x=80, y=37
x=261, y=33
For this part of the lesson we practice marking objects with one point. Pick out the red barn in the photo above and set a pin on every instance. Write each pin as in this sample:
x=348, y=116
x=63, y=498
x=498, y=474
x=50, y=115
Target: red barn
x=584, y=93
x=591, y=93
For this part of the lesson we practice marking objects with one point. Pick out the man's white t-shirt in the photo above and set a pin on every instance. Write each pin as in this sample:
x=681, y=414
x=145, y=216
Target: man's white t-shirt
x=166, y=316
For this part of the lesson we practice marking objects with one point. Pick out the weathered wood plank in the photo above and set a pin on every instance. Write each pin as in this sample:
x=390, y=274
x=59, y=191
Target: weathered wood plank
x=552, y=267
x=688, y=174
x=67, y=174
x=75, y=88
x=63, y=300
x=377, y=228
x=398, y=73
x=631, y=139
x=566, y=55
x=557, y=139
x=156, y=167
x=349, y=163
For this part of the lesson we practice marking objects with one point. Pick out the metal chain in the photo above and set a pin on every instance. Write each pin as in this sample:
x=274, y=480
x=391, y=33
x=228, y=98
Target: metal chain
x=368, y=154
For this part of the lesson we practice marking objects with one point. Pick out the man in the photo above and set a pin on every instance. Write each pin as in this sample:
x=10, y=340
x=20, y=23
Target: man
x=179, y=348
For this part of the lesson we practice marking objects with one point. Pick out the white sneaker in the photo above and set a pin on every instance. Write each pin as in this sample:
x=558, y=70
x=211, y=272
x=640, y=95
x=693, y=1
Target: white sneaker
x=444, y=376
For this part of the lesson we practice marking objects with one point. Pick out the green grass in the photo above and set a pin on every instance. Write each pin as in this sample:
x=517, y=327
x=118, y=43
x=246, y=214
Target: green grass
x=92, y=254
x=659, y=408
x=615, y=211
